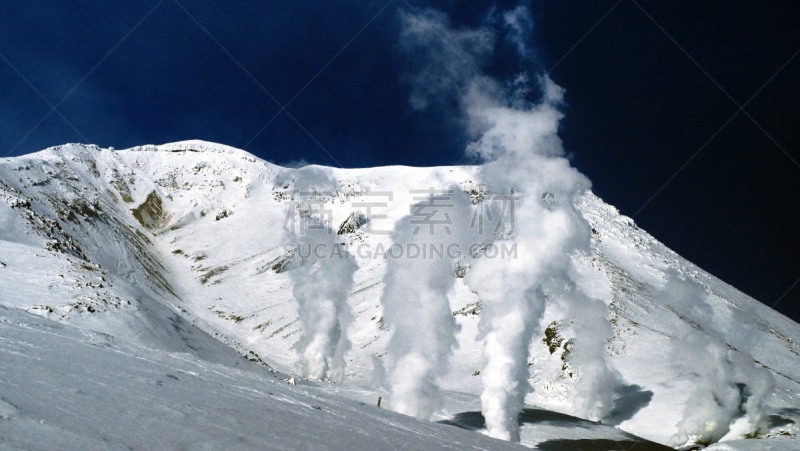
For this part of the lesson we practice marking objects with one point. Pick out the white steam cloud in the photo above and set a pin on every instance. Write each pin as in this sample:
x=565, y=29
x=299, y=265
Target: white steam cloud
x=416, y=306
x=591, y=331
x=519, y=25
x=727, y=385
x=523, y=157
x=322, y=272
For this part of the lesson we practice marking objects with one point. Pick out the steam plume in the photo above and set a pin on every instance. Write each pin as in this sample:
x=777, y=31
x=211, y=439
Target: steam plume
x=323, y=277
x=591, y=330
x=517, y=141
x=415, y=302
x=728, y=382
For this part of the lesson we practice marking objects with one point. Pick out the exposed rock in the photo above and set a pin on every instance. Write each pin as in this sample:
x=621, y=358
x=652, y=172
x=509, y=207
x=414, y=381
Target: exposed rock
x=352, y=223
x=150, y=213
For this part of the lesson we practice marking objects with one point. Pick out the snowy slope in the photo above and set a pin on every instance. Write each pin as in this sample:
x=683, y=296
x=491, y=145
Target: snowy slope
x=180, y=248
x=65, y=388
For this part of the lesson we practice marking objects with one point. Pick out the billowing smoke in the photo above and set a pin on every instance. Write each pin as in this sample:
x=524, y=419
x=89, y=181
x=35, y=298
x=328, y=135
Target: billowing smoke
x=322, y=271
x=547, y=229
x=523, y=163
x=591, y=333
x=727, y=383
x=428, y=242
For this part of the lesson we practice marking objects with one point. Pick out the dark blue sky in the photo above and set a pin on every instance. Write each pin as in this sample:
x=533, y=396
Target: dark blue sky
x=649, y=84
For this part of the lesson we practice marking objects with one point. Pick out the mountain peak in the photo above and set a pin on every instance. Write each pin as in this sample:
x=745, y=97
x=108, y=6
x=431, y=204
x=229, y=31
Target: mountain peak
x=197, y=145
x=170, y=245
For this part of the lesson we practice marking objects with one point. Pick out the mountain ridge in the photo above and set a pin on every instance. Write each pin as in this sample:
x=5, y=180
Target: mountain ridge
x=198, y=234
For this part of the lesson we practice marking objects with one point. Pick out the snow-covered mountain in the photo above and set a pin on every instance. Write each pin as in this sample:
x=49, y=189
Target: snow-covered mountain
x=158, y=260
